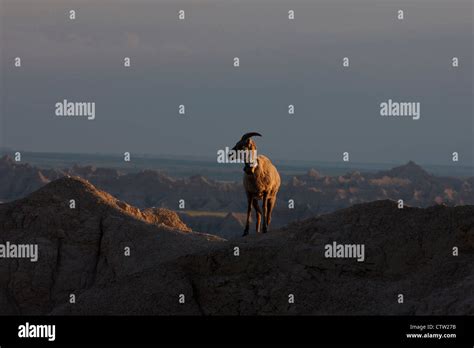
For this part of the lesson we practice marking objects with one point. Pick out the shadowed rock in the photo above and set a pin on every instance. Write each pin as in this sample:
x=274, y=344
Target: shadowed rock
x=82, y=248
x=407, y=251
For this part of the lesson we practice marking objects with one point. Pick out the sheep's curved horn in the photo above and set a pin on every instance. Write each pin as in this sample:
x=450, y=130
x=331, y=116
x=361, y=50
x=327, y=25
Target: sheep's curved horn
x=249, y=135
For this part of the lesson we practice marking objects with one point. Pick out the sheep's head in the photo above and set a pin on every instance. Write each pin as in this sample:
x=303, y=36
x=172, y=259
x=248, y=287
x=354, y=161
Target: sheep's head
x=246, y=147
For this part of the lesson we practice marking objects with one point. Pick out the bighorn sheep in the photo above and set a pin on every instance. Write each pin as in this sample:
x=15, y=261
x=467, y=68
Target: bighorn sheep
x=261, y=182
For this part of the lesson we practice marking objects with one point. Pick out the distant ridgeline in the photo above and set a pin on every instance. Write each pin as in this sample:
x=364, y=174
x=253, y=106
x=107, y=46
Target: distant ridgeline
x=301, y=195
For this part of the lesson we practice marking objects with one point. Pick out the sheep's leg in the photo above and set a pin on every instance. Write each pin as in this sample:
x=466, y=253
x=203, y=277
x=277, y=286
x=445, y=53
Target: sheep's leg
x=264, y=212
x=258, y=212
x=249, y=211
x=270, y=206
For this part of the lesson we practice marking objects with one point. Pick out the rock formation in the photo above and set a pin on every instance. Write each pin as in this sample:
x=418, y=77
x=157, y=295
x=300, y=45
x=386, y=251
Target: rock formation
x=313, y=193
x=83, y=252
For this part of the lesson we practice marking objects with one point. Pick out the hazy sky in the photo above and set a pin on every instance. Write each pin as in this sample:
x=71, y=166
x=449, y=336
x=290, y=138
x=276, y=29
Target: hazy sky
x=283, y=62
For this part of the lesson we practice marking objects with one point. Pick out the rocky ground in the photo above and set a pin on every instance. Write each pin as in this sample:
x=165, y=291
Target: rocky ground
x=82, y=251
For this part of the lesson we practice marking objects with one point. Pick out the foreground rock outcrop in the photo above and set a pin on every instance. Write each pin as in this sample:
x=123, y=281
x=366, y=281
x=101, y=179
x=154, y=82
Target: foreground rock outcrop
x=84, y=247
x=407, y=251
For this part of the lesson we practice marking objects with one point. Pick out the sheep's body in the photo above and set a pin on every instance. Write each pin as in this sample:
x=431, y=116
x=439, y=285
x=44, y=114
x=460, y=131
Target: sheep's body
x=265, y=178
x=261, y=182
